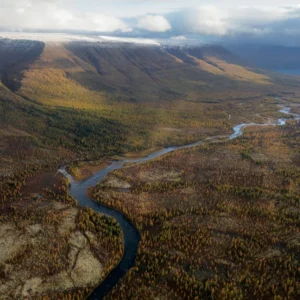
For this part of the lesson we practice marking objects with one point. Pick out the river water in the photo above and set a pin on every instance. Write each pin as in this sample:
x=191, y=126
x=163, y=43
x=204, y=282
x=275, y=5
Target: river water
x=131, y=235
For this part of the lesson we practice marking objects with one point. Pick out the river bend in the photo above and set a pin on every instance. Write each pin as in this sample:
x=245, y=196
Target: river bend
x=78, y=190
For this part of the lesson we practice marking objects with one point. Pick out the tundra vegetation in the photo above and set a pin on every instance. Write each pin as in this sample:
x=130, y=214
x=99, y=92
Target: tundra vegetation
x=204, y=219
x=218, y=221
x=49, y=247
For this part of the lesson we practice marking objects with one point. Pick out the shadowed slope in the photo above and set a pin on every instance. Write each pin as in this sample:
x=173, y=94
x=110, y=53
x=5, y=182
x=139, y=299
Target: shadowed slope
x=16, y=56
x=219, y=61
x=85, y=75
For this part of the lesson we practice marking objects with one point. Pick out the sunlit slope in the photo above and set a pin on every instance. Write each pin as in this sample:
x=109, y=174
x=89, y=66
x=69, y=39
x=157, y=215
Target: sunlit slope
x=102, y=99
x=15, y=57
x=49, y=80
x=159, y=71
x=114, y=97
x=90, y=75
x=218, y=61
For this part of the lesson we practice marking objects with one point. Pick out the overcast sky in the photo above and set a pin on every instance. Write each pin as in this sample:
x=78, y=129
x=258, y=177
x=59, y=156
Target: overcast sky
x=265, y=21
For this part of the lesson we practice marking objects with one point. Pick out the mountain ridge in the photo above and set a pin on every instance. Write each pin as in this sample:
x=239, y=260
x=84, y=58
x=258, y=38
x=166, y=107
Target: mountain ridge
x=131, y=69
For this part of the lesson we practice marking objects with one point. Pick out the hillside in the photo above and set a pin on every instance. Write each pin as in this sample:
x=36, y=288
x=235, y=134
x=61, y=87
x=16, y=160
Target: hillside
x=117, y=86
x=81, y=103
x=127, y=68
x=134, y=72
x=16, y=56
x=93, y=98
x=269, y=56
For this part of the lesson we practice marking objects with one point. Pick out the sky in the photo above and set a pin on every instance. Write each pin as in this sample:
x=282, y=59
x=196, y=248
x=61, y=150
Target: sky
x=227, y=20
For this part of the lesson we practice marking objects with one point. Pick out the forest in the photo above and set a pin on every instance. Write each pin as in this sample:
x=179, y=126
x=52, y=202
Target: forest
x=219, y=221
x=52, y=246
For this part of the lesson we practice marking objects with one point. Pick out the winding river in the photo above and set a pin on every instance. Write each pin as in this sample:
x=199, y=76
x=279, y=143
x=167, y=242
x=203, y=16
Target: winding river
x=131, y=235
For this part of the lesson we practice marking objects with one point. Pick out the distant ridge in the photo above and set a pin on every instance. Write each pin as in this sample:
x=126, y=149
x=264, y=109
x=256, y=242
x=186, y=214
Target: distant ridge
x=269, y=56
x=95, y=38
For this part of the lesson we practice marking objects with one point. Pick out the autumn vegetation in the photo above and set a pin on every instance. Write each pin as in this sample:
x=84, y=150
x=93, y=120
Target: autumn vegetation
x=54, y=221
x=218, y=221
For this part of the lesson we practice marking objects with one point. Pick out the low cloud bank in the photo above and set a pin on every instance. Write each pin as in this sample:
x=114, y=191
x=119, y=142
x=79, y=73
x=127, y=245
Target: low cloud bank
x=268, y=24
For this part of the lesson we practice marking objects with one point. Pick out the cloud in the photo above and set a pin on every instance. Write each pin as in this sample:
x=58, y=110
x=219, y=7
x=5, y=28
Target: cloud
x=272, y=25
x=257, y=24
x=207, y=20
x=52, y=14
x=179, y=37
x=154, y=23
x=226, y=20
x=213, y=21
x=104, y=23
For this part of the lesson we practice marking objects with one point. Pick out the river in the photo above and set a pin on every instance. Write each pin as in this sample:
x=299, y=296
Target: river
x=131, y=235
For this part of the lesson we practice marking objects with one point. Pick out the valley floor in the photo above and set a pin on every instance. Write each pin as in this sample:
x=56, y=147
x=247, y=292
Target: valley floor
x=52, y=249
x=217, y=221
x=220, y=220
